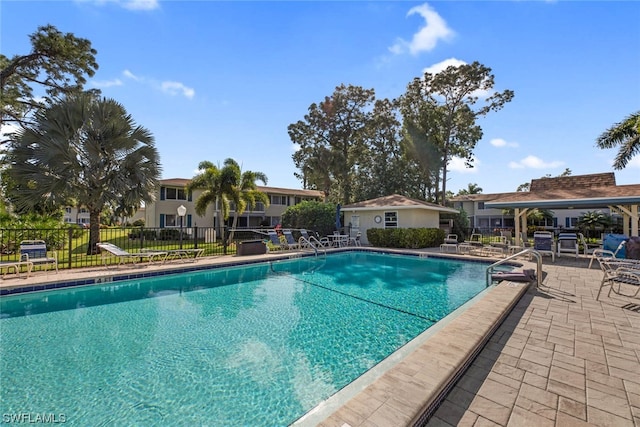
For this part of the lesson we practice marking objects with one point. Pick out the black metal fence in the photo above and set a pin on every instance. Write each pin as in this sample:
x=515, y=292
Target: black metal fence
x=71, y=245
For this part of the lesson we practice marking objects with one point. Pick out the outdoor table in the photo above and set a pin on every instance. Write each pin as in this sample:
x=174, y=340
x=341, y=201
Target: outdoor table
x=338, y=240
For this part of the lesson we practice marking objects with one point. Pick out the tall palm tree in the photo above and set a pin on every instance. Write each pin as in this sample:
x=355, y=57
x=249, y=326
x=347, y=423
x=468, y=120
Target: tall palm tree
x=625, y=134
x=243, y=189
x=224, y=186
x=87, y=149
x=209, y=179
x=472, y=188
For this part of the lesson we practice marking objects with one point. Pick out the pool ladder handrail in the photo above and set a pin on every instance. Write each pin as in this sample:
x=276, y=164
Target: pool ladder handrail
x=309, y=243
x=523, y=252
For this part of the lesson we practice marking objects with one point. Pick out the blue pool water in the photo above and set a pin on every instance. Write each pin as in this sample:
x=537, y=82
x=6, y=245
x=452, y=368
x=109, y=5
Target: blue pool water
x=253, y=345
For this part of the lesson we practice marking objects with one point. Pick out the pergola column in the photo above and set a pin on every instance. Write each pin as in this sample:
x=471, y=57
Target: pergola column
x=629, y=214
x=520, y=216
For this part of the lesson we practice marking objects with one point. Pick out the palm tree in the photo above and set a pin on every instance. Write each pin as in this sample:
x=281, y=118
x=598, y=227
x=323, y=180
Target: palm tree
x=209, y=179
x=594, y=220
x=225, y=185
x=625, y=134
x=244, y=191
x=472, y=188
x=87, y=149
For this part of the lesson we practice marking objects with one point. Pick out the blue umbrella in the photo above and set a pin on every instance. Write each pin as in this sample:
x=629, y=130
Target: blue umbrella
x=338, y=223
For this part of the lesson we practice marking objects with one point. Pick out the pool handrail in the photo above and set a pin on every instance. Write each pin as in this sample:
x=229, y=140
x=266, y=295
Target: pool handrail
x=532, y=251
x=309, y=243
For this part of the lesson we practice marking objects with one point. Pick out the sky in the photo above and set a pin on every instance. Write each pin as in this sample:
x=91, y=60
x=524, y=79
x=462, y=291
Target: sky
x=224, y=79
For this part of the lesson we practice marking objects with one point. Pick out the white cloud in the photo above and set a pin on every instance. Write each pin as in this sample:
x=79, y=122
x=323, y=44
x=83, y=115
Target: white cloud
x=140, y=4
x=441, y=66
x=106, y=83
x=533, y=162
x=175, y=88
x=457, y=164
x=130, y=75
x=126, y=4
x=499, y=142
x=434, y=30
x=170, y=87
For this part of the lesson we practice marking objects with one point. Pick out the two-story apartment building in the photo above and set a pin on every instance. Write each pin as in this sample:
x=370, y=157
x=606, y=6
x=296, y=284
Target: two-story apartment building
x=163, y=212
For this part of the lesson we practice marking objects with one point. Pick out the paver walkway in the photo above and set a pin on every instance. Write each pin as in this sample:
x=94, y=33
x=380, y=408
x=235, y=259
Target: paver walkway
x=561, y=358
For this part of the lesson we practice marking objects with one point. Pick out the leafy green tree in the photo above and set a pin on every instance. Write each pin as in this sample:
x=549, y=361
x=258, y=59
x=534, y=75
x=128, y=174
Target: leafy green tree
x=442, y=106
x=83, y=148
x=57, y=63
x=333, y=134
x=383, y=168
x=312, y=215
x=471, y=189
x=625, y=135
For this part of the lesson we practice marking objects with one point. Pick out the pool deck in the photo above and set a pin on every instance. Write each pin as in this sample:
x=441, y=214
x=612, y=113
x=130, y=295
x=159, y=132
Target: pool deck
x=552, y=356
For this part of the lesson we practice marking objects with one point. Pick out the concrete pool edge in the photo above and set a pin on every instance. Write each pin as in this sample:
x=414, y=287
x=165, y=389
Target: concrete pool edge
x=410, y=391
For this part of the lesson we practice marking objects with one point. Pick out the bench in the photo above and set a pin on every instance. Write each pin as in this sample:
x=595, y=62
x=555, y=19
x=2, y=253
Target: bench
x=35, y=252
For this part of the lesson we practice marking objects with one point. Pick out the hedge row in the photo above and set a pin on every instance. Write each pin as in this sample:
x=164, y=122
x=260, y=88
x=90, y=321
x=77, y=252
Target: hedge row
x=412, y=238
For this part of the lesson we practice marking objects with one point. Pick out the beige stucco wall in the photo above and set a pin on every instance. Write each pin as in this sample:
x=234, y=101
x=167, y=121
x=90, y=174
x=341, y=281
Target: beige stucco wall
x=407, y=218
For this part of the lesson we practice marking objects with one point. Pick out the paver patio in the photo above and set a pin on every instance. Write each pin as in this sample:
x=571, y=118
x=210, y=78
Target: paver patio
x=560, y=358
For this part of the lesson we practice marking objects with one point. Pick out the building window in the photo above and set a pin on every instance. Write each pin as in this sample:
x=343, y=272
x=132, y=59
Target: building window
x=279, y=200
x=391, y=219
x=83, y=210
x=171, y=220
x=480, y=206
x=67, y=210
x=259, y=207
x=175, y=194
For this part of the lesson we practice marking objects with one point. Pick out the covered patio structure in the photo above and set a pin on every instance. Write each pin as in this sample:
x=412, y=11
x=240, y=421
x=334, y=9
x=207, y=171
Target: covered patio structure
x=596, y=191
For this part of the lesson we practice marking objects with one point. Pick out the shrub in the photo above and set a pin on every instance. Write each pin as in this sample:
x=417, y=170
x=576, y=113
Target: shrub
x=169, y=234
x=148, y=234
x=412, y=238
x=138, y=223
x=312, y=215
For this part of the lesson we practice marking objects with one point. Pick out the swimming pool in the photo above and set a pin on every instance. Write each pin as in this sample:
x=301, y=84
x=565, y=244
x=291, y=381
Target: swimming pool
x=254, y=345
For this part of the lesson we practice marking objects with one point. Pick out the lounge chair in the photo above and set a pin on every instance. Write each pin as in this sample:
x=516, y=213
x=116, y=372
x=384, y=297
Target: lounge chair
x=35, y=252
x=291, y=242
x=568, y=244
x=276, y=243
x=620, y=272
x=601, y=254
x=475, y=240
x=355, y=240
x=451, y=239
x=108, y=250
x=543, y=243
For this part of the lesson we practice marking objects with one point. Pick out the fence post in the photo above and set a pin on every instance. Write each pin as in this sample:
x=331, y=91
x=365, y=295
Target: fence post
x=195, y=237
x=224, y=240
x=70, y=232
x=142, y=236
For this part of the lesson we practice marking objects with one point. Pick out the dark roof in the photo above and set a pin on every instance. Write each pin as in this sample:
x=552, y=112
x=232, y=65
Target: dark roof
x=607, y=179
x=395, y=201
